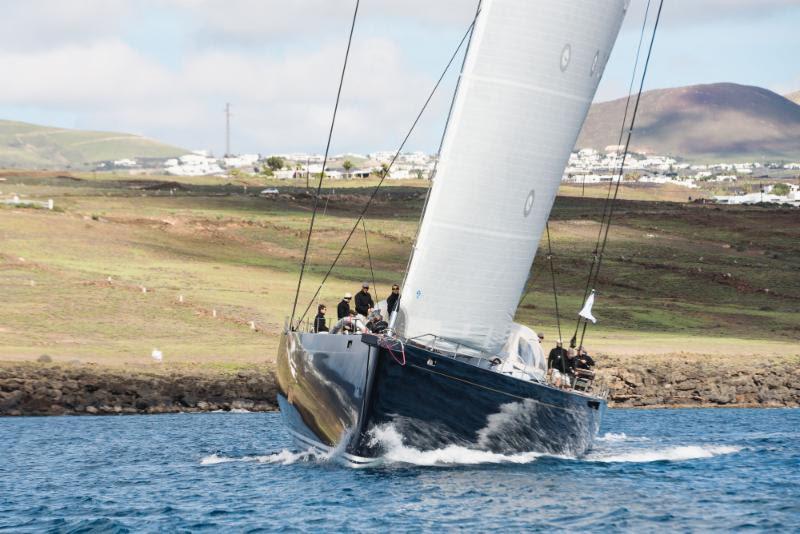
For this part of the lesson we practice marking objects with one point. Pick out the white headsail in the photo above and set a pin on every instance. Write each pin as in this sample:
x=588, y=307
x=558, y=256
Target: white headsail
x=528, y=80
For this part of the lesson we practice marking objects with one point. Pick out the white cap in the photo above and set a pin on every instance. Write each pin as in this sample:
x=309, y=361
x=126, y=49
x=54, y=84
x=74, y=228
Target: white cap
x=348, y=296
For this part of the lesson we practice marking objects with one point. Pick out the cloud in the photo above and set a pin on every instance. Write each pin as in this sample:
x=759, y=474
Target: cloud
x=279, y=101
x=687, y=13
x=165, y=68
x=35, y=25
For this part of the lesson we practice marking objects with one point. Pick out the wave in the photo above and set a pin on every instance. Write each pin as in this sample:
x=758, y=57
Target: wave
x=670, y=454
x=284, y=457
x=611, y=450
x=396, y=452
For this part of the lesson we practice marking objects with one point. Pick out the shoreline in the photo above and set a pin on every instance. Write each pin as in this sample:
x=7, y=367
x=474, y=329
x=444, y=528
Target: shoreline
x=39, y=389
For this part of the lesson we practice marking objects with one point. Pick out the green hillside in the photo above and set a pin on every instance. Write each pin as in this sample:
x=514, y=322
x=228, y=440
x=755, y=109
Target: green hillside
x=24, y=145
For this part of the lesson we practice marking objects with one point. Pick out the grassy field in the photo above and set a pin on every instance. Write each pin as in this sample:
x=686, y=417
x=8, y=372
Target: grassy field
x=100, y=279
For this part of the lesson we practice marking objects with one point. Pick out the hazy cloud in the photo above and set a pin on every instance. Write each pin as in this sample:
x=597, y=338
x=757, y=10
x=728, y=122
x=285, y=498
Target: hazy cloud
x=165, y=68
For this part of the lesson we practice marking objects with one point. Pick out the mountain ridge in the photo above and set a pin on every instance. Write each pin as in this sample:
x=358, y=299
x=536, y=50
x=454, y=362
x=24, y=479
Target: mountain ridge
x=720, y=121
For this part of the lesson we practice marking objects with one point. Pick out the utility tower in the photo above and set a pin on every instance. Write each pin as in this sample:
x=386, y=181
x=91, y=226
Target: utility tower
x=227, y=128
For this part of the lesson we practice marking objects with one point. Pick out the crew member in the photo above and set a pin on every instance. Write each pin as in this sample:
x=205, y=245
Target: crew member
x=557, y=359
x=349, y=325
x=583, y=360
x=343, y=309
x=319, y=320
x=391, y=302
x=376, y=324
x=557, y=364
x=364, y=300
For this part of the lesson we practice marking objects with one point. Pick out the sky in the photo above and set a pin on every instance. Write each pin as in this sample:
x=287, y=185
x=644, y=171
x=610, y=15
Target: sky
x=165, y=68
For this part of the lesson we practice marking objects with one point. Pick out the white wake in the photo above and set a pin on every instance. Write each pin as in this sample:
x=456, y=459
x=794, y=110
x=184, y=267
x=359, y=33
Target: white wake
x=611, y=437
x=669, y=454
x=610, y=448
x=284, y=457
x=397, y=452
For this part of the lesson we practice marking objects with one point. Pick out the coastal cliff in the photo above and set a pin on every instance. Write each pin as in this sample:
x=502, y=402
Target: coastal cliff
x=52, y=389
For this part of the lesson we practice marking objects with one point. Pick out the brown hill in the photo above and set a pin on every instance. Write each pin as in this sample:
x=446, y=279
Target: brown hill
x=703, y=122
x=794, y=97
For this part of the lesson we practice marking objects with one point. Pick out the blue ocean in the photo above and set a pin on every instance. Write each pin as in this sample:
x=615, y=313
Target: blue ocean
x=688, y=470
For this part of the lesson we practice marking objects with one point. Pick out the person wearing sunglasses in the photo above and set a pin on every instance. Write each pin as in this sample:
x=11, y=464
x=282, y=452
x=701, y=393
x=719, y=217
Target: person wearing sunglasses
x=391, y=302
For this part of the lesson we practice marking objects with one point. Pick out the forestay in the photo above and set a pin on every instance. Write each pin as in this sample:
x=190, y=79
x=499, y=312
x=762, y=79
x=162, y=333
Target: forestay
x=528, y=80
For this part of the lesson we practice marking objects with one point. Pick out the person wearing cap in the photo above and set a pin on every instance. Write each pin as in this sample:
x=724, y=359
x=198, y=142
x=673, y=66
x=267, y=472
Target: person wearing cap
x=364, y=300
x=319, y=320
x=391, y=302
x=343, y=309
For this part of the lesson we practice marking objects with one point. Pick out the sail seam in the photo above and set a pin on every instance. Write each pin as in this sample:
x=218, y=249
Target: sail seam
x=520, y=85
x=504, y=234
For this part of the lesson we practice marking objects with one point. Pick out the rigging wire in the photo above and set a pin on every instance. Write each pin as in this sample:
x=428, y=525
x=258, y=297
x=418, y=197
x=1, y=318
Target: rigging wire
x=374, y=286
x=553, y=276
x=388, y=168
x=324, y=162
x=625, y=154
x=607, y=204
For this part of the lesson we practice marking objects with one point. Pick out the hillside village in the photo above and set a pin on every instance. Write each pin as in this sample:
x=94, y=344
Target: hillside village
x=586, y=167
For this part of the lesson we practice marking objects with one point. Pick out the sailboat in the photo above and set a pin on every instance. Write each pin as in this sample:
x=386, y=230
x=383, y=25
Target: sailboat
x=454, y=368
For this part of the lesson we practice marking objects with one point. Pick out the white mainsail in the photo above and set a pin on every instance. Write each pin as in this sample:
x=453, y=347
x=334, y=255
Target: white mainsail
x=528, y=80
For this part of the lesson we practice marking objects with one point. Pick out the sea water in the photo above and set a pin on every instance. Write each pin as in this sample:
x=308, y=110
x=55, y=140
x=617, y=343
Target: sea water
x=649, y=470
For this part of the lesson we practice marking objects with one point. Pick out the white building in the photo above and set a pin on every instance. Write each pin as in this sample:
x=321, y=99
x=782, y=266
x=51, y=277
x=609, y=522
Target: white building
x=194, y=164
x=243, y=160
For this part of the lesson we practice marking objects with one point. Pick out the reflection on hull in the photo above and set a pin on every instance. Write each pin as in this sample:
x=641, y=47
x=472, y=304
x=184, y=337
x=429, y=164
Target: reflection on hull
x=336, y=390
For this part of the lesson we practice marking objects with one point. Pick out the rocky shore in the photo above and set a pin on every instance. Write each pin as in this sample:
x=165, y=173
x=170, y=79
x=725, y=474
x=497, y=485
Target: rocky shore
x=53, y=389
x=677, y=383
x=28, y=389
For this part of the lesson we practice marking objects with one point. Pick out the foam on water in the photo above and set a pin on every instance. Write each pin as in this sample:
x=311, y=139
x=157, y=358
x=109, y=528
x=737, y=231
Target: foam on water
x=612, y=448
x=611, y=437
x=283, y=457
x=670, y=454
x=397, y=452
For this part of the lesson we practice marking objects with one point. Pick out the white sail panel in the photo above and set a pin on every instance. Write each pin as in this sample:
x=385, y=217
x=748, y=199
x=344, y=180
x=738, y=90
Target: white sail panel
x=528, y=80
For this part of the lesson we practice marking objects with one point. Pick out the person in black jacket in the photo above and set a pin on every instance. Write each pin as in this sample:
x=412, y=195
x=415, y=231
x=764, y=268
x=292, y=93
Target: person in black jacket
x=391, y=302
x=557, y=359
x=319, y=320
x=364, y=300
x=583, y=361
x=343, y=309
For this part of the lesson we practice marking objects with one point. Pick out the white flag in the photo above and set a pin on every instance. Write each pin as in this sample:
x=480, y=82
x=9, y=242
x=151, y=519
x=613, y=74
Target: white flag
x=586, y=311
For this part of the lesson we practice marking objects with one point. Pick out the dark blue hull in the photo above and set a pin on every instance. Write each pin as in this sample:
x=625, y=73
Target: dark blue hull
x=334, y=397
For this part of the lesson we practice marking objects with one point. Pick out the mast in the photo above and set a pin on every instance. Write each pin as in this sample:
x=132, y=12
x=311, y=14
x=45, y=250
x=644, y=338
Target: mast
x=528, y=80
